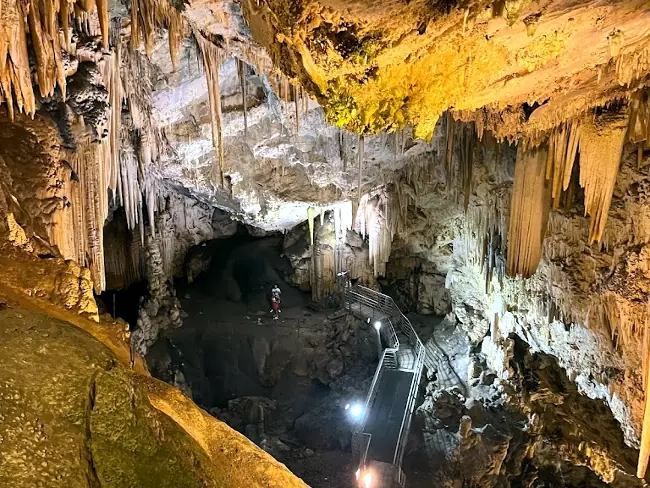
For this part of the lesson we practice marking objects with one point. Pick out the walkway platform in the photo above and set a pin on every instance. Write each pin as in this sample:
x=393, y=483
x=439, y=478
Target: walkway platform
x=380, y=439
x=365, y=312
x=385, y=417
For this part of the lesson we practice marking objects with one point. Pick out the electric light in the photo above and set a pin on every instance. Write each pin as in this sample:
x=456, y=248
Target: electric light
x=377, y=325
x=355, y=411
x=367, y=480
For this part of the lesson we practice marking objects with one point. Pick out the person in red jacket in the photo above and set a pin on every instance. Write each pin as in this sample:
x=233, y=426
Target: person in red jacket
x=275, y=301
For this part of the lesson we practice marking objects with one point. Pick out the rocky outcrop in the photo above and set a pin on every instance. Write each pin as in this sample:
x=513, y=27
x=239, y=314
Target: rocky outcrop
x=73, y=414
x=160, y=309
x=318, y=267
x=534, y=427
x=323, y=354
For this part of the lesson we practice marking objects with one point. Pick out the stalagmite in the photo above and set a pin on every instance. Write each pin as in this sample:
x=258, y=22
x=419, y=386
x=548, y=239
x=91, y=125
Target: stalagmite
x=212, y=58
x=529, y=210
x=601, y=147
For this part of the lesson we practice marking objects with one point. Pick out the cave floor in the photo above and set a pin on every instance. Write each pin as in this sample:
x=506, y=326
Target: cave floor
x=221, y=343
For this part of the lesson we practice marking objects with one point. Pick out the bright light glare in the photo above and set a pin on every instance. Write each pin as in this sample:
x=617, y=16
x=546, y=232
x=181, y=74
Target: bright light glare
x=367, y=480
x=356, y=411
x=377, y=325
x=358, y=474
x=347, y=407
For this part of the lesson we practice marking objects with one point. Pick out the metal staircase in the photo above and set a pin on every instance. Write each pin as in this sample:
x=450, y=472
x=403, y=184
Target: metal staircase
x=380, y=439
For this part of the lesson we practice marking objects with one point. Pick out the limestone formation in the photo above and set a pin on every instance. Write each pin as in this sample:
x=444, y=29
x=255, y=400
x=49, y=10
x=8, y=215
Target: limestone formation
x=483, y=160
x=160, y=309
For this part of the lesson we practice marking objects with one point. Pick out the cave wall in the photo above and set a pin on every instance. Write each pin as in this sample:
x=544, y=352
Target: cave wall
x=584, y=305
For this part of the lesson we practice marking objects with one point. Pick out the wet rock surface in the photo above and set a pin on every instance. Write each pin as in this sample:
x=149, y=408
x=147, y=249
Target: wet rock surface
x=73, y=415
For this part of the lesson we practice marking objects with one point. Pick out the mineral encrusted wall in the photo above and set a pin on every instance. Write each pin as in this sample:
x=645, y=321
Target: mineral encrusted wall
x=585, y=304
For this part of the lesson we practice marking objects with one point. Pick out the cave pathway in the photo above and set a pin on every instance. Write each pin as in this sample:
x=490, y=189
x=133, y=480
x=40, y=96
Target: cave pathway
x=380, y=439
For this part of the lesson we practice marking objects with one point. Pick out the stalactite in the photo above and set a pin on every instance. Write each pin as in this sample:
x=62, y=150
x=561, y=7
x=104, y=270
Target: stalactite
x=529, y=212
x=131, y=189
x=360, y=158
x=110, y=70
x=449, y=152
x=310, y=217
x=378, y=219
x=639, y=127
x=343, y=220
x=644, y=453
x=296, y=104
x=305, y=100
x=212, y=59
x=135, y=24
x=601, y=147
x=241, y=72
x=102, y=12
x=175, y=35
x=41, y=20
x=466, y=163
x=563, y=146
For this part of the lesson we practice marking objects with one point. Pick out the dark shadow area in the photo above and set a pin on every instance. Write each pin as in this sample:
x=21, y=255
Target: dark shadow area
x=123, y=303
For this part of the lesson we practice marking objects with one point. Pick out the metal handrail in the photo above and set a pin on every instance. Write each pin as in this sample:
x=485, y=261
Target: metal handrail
x=385, y=304
x=372, y=392
x=406, y=421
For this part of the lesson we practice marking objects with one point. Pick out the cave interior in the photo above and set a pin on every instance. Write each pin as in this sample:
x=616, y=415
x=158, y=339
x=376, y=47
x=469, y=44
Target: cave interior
x=450, y=195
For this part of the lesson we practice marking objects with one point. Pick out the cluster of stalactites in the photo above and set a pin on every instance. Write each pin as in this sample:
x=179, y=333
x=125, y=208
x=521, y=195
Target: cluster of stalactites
x=326, y=260
x=146, y=15
x=639, y=129
x=599, y=142
x=343, y=220
x=40, y=20
x=601, y=147
x=88, y=210
x=459, y=170
x=378, y=218
x=529, y=210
